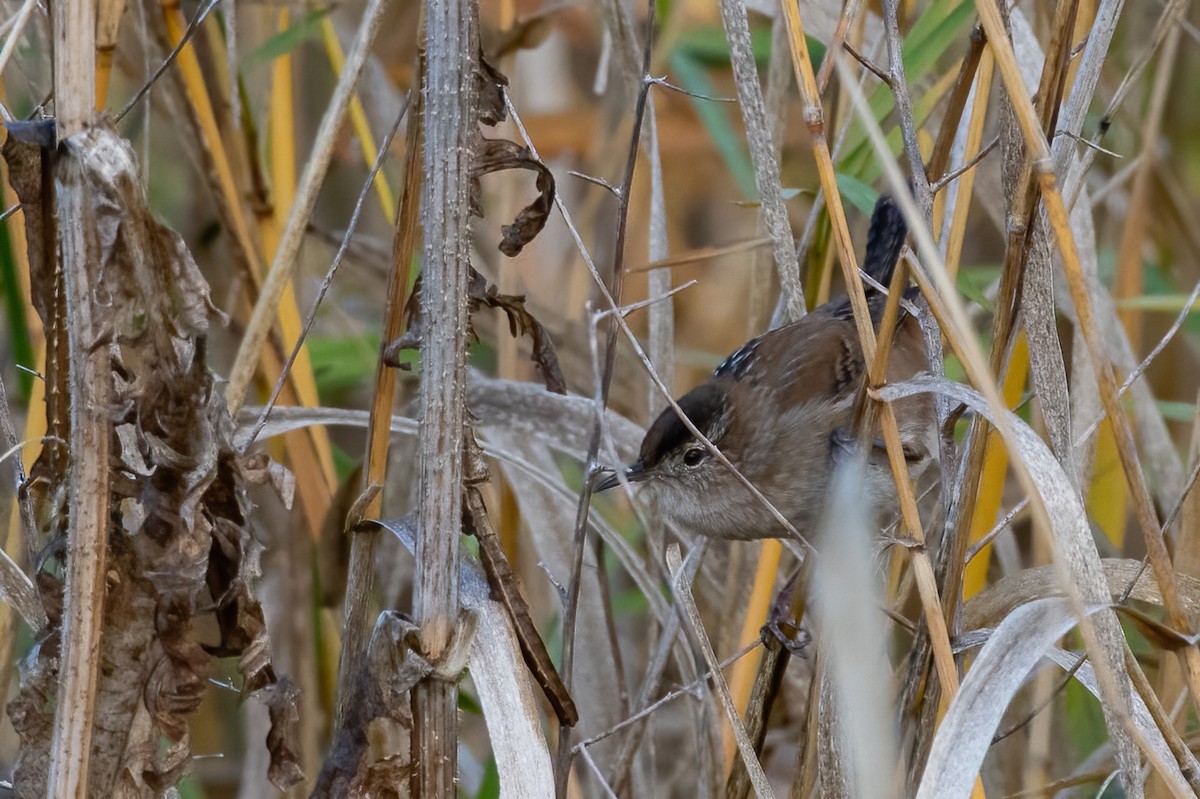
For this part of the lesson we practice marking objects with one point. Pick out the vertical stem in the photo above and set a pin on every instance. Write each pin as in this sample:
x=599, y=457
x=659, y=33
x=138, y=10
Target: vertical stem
x=449, y=94
x=360, y=582
x=83, y=595
x=74, y=65
x=762, y=153
x=87, y=544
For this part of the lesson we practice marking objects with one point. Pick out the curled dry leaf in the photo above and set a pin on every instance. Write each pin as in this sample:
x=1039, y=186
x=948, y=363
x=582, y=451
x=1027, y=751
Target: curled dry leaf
x=180, y=544
x=490, y=83
x=497, y=155
x=500, y=676
x=481, y=294
x=520, y=322
x=281, y=697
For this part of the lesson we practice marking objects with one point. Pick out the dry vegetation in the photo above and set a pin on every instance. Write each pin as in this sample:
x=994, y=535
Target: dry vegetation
x=251, y=253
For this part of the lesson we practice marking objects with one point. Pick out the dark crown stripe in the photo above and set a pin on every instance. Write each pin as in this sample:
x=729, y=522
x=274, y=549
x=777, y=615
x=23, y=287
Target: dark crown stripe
x=703, y=405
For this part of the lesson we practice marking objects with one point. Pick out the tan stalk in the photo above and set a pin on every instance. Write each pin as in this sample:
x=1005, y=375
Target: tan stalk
x=1156, y=548
x=283, y=267
x=926, y=585
x=451, y=48
x=361, y=568
x=90, y=384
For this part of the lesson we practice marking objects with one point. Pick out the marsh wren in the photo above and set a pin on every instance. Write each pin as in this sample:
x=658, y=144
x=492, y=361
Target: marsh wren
x=780, y=409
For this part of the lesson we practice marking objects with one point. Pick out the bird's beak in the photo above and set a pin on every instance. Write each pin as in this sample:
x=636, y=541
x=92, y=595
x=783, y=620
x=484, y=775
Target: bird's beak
x=633, y=473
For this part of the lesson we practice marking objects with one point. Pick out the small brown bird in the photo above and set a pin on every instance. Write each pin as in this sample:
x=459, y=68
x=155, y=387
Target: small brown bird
x=779, y=409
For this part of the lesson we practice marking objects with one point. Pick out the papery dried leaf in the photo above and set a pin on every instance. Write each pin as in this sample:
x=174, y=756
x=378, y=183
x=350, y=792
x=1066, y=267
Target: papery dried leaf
x=1161, y=636
x=32, y=714
x=395, y=664
x=180, y=539
x=24, y=161
x=520, y=322
x=283, y=739
x=490, y=83
x=177, y=684
x=481, y=294
x=386, y=779
x=497, y=155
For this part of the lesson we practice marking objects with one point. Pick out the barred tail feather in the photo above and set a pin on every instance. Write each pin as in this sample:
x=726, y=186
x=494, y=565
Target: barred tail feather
x=885, y=239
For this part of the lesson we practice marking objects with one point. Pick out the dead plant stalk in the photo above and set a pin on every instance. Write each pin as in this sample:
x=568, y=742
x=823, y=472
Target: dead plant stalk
x=450, y=96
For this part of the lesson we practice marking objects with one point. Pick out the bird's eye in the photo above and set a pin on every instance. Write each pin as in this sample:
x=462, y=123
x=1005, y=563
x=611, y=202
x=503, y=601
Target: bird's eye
x=694, y=455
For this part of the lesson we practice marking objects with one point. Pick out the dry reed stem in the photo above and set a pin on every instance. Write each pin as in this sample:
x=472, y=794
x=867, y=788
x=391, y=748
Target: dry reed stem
x=948, y=309
x=679, y=586
x=763, y=155
x=88, y=512
x=662, y=314
x=451, y=117
x=90, y=385
x=356, y=629
x=927, y=586
x=1040, y=156
x=898, y=83
x=283, y=267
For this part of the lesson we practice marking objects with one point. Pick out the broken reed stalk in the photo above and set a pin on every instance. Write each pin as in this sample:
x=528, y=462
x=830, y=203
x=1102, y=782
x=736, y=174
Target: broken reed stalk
x=1044, y=167
x=360, y=577
x=450, y=97
x=814, y=117
x=90, y=386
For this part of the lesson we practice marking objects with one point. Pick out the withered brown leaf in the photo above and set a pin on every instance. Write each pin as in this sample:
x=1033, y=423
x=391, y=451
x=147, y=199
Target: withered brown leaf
x=180, y=545
x=497, y=155
x=481, y=294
